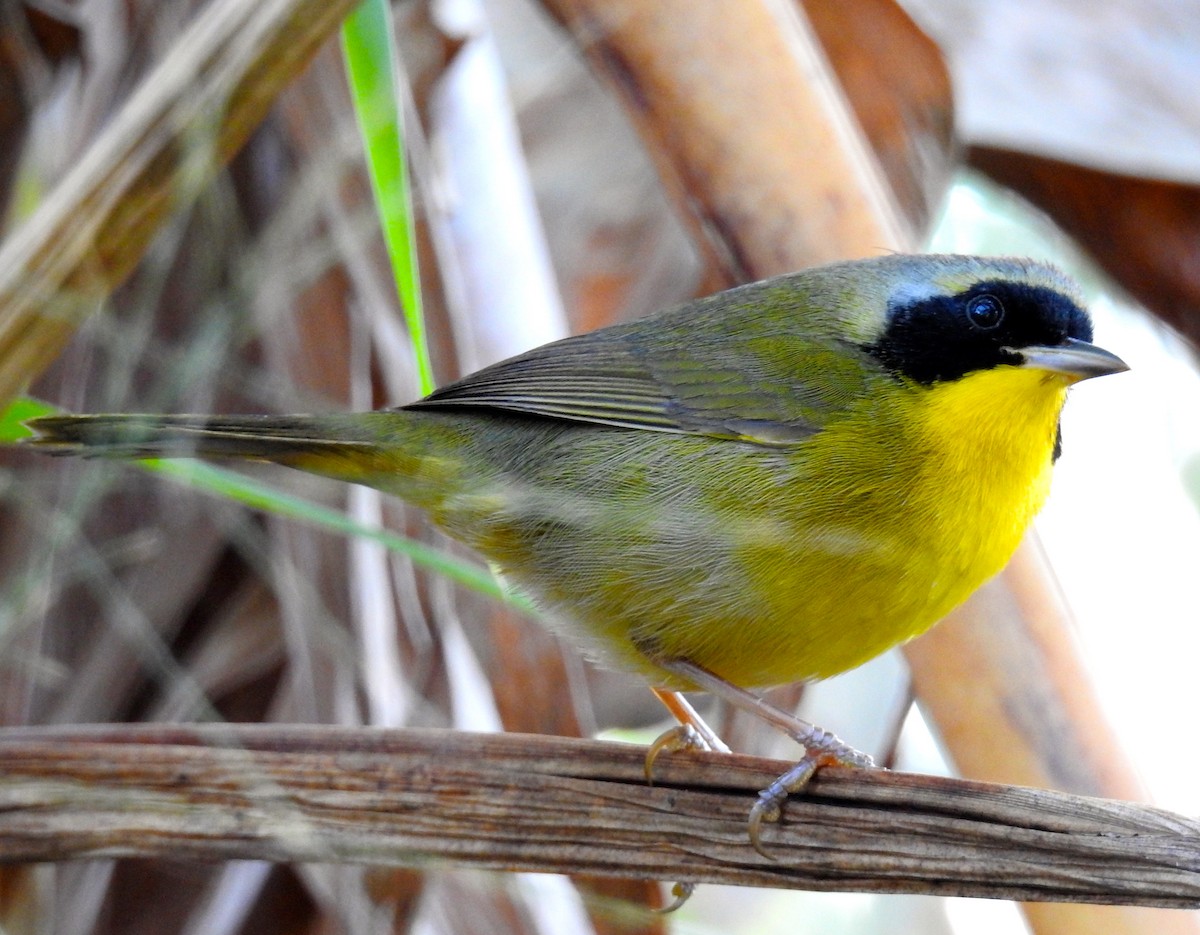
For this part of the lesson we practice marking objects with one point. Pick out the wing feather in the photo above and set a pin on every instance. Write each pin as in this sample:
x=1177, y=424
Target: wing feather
x=721, y=370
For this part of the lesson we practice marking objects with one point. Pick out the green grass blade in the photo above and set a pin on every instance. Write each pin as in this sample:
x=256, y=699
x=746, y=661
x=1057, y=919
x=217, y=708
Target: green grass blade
x=234, y=486
x=16, y=413
x=370, y=55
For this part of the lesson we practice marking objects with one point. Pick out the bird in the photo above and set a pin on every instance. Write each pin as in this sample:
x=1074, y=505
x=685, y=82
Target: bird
x=774, y=483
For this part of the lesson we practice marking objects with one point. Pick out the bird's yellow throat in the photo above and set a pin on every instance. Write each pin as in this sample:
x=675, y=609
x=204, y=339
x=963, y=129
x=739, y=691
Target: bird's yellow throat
x=990, y=439
x=993, y=433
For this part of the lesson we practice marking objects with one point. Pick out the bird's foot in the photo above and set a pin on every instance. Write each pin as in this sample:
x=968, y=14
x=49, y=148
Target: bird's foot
x=691, y=733
x=821, y=749
x=673, y=740
x=681, y=893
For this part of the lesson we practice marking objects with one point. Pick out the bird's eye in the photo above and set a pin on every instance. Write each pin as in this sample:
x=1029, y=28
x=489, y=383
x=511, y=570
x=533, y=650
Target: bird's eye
x=985, y=312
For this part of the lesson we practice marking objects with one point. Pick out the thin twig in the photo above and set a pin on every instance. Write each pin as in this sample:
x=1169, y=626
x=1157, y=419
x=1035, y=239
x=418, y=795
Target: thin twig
x=520, y=802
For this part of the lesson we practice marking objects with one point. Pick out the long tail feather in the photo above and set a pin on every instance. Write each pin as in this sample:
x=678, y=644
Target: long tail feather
x=387, y=449
x=268, y=438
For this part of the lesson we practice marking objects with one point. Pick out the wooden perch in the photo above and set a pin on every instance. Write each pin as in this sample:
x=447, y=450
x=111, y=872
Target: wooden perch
x=547, y=804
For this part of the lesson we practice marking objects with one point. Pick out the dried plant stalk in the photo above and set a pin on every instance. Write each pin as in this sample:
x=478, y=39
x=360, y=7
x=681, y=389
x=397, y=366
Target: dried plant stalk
x=749, y=129
x=190, y=115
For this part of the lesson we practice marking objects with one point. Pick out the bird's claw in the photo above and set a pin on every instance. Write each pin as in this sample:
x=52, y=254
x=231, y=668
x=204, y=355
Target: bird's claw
x=832, y=752
x=771, y=799
x=681, y=892
x=680, y=737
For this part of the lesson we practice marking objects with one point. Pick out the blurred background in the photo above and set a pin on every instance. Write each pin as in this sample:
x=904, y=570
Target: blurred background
x=1052, y=129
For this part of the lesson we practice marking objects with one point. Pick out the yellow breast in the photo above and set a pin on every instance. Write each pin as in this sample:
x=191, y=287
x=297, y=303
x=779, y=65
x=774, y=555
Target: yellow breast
x=909, y=510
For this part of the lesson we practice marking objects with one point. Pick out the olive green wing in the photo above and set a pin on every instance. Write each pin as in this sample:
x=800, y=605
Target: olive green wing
x=722, y=371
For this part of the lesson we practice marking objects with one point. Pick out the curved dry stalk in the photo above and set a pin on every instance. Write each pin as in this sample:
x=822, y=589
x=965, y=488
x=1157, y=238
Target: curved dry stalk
x=189, y=116
x=522, y=802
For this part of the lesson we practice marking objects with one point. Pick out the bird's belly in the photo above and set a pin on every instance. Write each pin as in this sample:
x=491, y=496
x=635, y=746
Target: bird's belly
x=817, y=603
x=758, y=600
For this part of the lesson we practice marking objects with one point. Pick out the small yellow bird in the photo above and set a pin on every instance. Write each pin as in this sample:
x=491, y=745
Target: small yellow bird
x=774, y=483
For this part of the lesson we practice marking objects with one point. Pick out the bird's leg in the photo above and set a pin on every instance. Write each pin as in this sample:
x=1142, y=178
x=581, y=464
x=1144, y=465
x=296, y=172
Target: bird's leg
x=691, y=733
x=821, y=748
x=689, y=717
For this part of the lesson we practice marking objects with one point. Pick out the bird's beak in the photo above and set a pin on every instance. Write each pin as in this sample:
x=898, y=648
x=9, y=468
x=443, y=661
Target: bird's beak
x=1073, y=358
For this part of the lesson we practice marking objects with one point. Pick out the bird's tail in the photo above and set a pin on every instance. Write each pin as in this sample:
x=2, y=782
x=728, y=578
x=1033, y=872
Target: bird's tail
x=361, y=447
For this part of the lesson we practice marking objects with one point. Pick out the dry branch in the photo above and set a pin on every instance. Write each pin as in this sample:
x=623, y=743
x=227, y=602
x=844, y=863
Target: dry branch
x=190, y=115
x=520, y=802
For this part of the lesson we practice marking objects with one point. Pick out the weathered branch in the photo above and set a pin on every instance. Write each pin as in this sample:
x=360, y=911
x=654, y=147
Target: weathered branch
x=519, y=802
